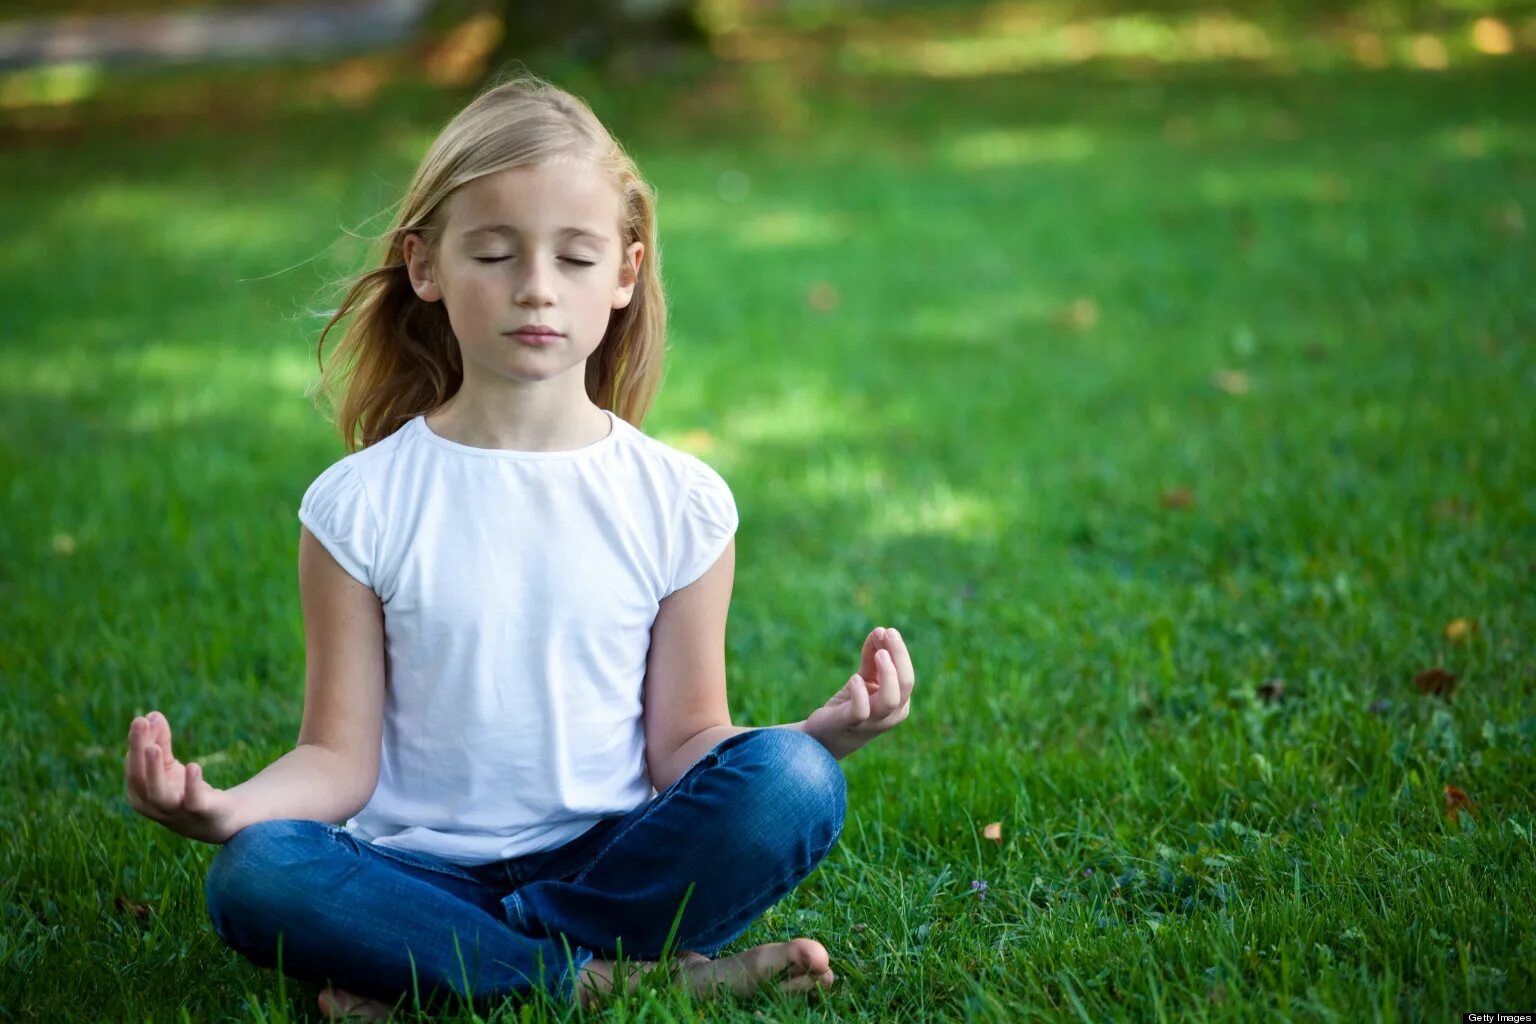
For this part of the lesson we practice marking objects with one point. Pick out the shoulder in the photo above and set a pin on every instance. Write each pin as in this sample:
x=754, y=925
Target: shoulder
x=345, y=508
x=357, y=475
x=699, y=490
x=701, y=514
x=685, y=470
x=378, y=456
x=695, y=493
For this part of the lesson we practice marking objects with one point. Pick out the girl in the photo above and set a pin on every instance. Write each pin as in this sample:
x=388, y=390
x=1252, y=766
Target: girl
x=515, y=606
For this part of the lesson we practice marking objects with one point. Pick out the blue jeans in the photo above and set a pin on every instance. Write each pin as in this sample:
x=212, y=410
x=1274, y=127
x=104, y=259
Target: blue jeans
x=743, y=825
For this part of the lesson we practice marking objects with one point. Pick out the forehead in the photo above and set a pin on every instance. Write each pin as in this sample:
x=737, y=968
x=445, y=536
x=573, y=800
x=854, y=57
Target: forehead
x=552, y=198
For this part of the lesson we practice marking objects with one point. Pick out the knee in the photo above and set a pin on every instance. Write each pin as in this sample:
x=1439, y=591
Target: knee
x=795, y=778
x=255, y=868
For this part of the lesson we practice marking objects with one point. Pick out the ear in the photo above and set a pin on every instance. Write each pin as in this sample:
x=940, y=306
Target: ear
x=419, y=267
x=629, y=274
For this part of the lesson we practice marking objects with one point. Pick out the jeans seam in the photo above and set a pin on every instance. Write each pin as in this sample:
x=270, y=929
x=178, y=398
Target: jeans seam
x=522, y=916
x=613, y=839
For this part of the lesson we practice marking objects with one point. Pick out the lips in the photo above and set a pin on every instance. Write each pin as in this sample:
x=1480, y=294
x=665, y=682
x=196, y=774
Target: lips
x=535, y=337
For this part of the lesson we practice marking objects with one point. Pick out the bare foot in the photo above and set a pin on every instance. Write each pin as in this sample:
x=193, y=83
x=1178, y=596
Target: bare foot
x=799, y=965
x=339, y=1004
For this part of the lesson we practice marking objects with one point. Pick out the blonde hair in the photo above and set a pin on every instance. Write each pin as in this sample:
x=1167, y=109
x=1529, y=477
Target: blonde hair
x=399, y=358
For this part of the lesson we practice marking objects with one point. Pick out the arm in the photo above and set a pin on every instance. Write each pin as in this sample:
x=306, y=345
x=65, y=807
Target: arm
x=701, y=743
x=685, y=706
x=310, y=781
x=332, y=770
x=343, y=726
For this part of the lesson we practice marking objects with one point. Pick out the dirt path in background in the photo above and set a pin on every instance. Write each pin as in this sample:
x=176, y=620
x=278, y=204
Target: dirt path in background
x=259, y=33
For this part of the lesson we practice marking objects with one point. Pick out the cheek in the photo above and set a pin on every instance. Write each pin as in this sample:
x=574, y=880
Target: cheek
x=479, y=296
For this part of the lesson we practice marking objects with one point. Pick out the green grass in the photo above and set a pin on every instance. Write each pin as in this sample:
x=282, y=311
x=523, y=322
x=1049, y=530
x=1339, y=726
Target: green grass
x=949, y=449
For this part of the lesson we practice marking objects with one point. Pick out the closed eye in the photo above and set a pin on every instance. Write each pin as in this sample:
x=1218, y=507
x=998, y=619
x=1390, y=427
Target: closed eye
x=498, y=259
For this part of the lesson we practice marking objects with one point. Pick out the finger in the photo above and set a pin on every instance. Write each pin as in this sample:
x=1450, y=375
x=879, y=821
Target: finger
x=872, y=643
x=156, y=787
x=889, y=697
x=903, y=659
x=160, y=735
x=197, y=791
x=135, y=756
x=858, y=701
x=138, y=762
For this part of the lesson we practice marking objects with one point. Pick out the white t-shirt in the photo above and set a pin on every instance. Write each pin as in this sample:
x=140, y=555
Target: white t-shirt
x=519, y=589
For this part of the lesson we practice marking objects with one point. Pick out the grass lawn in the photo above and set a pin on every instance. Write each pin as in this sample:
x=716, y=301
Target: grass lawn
x=1173, y=413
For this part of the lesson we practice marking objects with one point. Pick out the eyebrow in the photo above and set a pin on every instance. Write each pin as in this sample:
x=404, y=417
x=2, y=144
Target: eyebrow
x=507, y=229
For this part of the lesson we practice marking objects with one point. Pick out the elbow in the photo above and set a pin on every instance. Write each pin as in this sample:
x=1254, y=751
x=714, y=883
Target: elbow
x=362, y=793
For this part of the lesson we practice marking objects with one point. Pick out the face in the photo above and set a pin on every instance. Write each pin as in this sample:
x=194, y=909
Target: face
x=531, y=246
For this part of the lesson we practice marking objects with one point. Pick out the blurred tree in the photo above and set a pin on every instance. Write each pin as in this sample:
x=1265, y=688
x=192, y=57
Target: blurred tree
x=595, y=31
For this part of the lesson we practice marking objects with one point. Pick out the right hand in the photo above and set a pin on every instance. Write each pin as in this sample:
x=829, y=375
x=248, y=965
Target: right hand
x=163, y=789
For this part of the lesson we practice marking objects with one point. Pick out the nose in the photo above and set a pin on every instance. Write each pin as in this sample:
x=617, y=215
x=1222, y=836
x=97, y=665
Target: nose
x=533, y=287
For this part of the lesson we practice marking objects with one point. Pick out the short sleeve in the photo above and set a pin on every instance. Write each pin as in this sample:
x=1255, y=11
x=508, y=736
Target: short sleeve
x=336, y=510
x=706, y=522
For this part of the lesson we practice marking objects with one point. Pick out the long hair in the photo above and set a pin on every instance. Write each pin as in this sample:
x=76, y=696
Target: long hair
x=398, y=357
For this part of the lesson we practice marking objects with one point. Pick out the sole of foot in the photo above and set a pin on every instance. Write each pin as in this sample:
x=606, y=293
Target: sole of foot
x=339, y=1004
x=799, y=965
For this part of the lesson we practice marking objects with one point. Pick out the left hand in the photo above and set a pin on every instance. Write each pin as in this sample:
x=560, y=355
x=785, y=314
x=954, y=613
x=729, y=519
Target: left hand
x=876, y=698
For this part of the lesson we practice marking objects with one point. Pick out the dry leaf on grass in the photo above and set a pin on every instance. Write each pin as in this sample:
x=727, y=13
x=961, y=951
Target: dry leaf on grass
x=1436, y=681
x=131, y=906
x=1081, y=315
x=822, y=297
x=993, y=831
x=1176, y=497
x=1231, y=382
x=1457, y=800
x=1453, y=508
x=1459, y=629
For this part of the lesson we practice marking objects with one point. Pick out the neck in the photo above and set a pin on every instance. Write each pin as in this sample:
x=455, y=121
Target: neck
x=529, y=422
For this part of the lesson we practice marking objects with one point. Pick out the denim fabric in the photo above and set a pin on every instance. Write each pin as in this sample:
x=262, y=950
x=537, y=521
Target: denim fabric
x=743, y=825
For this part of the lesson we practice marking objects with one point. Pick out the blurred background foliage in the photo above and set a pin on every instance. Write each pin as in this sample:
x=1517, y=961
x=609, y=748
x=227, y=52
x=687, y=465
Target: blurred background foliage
x=49, y=81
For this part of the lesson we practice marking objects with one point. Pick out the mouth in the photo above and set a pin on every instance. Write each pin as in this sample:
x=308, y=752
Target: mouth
x=535, y=338
x=536, y=332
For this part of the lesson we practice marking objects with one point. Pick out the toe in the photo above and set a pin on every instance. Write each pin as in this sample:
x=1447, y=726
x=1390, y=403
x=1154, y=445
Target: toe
x=809, y=956
x=339, y=1004
x=331, y=1005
